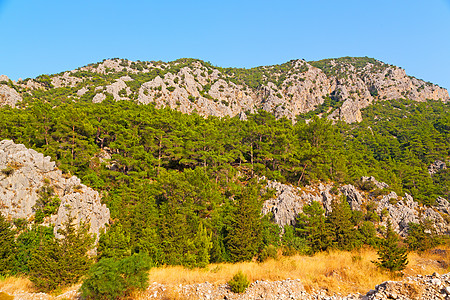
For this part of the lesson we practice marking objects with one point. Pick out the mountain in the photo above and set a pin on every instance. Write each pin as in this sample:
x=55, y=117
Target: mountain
x=335, y=88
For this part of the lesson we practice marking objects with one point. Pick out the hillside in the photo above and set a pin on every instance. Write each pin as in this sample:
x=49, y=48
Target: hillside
x=337, y=88
x=242, y=184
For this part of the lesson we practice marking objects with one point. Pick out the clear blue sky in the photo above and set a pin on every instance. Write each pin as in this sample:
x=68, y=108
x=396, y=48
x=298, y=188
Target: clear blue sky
x=45, y=37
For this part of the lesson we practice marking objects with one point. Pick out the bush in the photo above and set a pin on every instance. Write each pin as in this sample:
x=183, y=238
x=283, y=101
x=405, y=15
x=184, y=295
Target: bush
x=267, y=252
x=239, y=283
x=112, y=279
x=7, y=246
x=57, y=263
x=391, y=256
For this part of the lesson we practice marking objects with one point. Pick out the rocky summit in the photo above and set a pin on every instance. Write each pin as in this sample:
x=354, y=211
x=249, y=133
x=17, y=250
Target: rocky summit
x=334, y=88
x=28, y=180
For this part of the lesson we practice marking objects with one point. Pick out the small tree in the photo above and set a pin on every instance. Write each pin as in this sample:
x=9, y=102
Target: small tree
x=391, y=256
x=7, y=246
x=58, y=263
x=112, y=279
x=239, y=283
x=245, y=231
x=340, y=220
x=311, y=225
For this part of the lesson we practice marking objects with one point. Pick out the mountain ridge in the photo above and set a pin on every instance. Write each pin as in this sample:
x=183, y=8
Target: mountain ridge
x=334, y=88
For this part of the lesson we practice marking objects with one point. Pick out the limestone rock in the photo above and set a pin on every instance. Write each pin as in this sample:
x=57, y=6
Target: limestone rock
x=372, y=180
x=24, y=172
x=436, y=166
x=82, y=91
x=9, y=96
x=288, y=202
x=99, y=98
x=65, y=80
x=354, y=198
x=296, y=88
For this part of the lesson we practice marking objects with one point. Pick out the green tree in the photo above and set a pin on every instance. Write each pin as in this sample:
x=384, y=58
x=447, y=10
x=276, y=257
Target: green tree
x=342, y=229
x=57, y=263
x=245, y=229
x=113, y=279
x=7, y=246
x=421, y=236
x=391, y=256
x=311, y=226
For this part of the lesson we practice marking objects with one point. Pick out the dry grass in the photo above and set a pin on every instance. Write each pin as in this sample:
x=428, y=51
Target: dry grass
x=337, y=271
x=15, y=285
x=11, y=285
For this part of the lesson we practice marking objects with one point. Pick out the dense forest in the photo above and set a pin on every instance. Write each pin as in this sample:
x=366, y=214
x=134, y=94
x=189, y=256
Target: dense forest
x=187, y=190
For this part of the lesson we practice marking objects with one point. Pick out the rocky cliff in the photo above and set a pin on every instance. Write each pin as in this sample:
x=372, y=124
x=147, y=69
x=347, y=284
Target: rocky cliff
x=386, y=205
x=30, y=182
x=335, y=88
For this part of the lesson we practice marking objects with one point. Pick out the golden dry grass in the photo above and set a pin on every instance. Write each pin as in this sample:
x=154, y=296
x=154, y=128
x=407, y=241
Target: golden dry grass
x=336, y=271
x=11, y=285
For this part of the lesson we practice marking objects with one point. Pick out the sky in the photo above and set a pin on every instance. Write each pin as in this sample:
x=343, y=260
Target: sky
x=47, y=37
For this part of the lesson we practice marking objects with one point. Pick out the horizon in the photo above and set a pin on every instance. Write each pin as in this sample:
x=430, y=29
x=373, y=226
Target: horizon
x=60, y=36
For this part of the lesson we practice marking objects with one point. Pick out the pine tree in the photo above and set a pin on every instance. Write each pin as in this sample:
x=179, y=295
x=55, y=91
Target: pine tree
x=245, y=231
x=311, y=225
x=391, y=256
x=57, y=263
x=340, y=220
x=7, y=246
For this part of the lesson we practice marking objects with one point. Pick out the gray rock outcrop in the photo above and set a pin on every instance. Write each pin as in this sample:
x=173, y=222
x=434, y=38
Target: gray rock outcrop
x=354, y=198
x=9, y=96
x=428, y=287
x=286, y=90
x=376, y=183
x=288, y=202
x=24, y=172
x=436, y=166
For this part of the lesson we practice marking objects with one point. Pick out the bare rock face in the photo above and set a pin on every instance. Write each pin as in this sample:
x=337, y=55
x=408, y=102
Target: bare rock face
x=25, y=172
x=376, y=183
x=296, y=87
x=354, y=198
x=9, y=96
x=65, y=80
x=288, y=202
x=436, y=166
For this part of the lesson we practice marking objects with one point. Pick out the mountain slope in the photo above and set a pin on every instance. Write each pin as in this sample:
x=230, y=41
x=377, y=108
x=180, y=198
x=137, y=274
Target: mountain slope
x=336, y=88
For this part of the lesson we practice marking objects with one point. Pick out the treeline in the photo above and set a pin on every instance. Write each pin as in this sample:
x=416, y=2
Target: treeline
x=183, y=189
x=396, y=142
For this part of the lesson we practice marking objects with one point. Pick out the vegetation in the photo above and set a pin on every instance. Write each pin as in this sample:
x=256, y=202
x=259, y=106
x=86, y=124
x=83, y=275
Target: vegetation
x=7, y=247
x=113, y=279
x=391, y=256
x=185, y=190
x=239, y=283
x=60, y=263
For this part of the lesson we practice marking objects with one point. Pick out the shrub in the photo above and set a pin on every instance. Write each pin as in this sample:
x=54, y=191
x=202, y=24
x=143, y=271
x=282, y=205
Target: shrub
x=7, y=246
x=58, y=263
x=267, y=252
x=391, y=256
x=239, y=283
x=112, y=279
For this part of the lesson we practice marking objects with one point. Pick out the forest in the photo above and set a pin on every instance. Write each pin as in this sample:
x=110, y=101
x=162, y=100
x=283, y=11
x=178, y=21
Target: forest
x=187, y=190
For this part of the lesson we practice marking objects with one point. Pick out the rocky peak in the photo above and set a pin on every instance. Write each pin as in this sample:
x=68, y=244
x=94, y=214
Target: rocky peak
x=25, y=173
x=335, y=88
